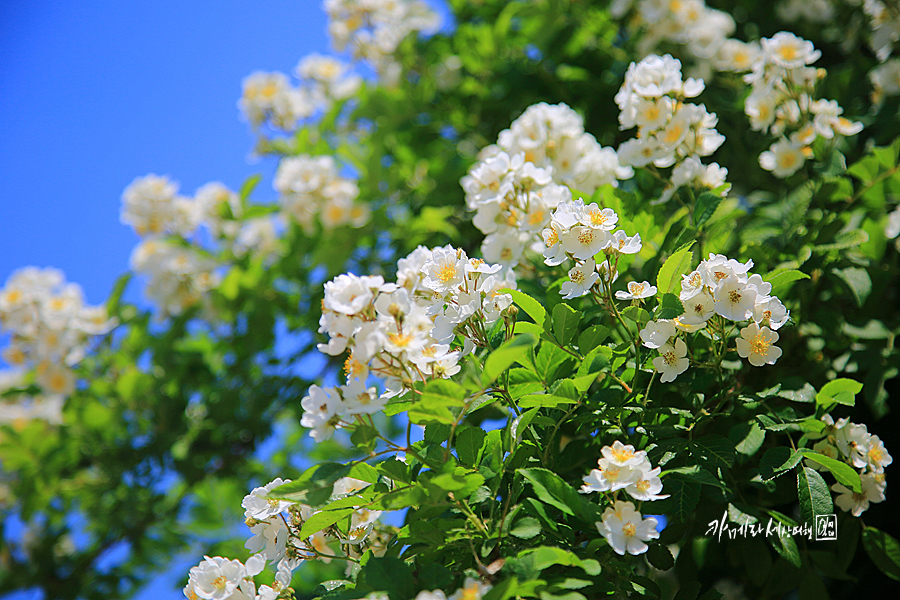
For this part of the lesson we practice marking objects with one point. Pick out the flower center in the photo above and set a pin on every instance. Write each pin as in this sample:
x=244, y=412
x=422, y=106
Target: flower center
x=446, y=273
x=586, y=237
x=734, y=296
x=629, y=530
x=760, y=344
x=669, y=358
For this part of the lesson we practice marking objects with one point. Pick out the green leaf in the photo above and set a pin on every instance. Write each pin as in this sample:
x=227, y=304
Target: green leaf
x=387, y=574
x=684, y=496
x=364, y=436
x=778, y=460
x=531, y=306
x=322, y=519
x=782, y=278
x=883, y=550
x=592, y=337
x=814, y=496
x=248, y=186
x=669, y=277
x=706, y=206
x=716, y=449
x=437, y=399
x=505, y=356
x=858, y=281
x=523, y=381
x=526, y=528
x=787, y=548
x=544, y=557
x=749, y=436
x=542, y=400
x=315, y=485
x=469, y=442
x=565, y=322
x=841, y=391
x=548, y=360
x=844, y=473
x=812, y=587
x=669, y=307
x=552, y=490
x=688, y=591
x=660, y=557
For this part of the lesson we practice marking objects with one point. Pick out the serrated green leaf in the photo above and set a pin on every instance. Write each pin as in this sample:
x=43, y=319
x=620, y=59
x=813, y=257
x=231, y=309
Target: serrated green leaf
x=592, y=337
x=706, y=206
x=716, y=449
x=814, y=496
x=782, y=278
x=498, y=361
x=669, y=277
x=531, y=306
x=841, y=391
x=778, y=460
x=565, y=322
x=884, y=550
x=526, y=528
x=436, y=402
x=660, y=557
x=844, y=473
x=469, y=442
x=669, y=307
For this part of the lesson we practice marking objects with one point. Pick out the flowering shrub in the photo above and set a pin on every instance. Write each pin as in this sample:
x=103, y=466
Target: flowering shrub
x=522, y=337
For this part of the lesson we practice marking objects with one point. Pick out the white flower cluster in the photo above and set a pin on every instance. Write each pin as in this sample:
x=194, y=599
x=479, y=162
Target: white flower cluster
x=884, y=19
x=50, y=327
x=724, y=287
x=853, y=444
x=782, y=102
x=580, y=231
x=180, y=274
x=671, y=132
x=517, y=183
x=700, y=29
x=623, y=468
x=276, y=526
x=268, y=98
x=402, y=332
x=885, y=80
x=812, y=11
x=373, y=29
x=311, y=188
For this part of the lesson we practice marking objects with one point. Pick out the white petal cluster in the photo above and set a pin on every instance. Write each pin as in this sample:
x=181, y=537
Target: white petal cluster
x=671, y=132
x=402, y=332
x=577, y=231
x=724, y=287
x=312, y=190
x=884, y=21
x=517, y=183
x=50, y=328
x=179, y=276
x=623, y=468
x=885, y=80
x=688, y=23
x=852, y=443
x=626, y=530
x=373, y=29
x=782, y=102
x=218, y=578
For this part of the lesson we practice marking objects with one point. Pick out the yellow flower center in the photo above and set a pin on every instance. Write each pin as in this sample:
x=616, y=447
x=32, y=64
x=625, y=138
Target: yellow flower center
x=759, y=344
x=586, y=237
x=734, y=296
x=220, y=582
x=629, y=530
x=643, y=485
x=552, y=238
x=577, y=276
x=446, y=273
x=623, y=454
x=669, y=358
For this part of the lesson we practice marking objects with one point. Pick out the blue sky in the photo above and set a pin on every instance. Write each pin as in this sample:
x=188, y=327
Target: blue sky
x=98, y=92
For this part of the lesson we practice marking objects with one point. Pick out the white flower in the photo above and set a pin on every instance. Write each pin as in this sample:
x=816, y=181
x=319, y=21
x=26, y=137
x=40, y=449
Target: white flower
x=872, y=492
x=269, y=539
x=472, y=589
x=581, y=278
x=623, y=455
x=671, y=361
x=216, y=578
x=655, y=334
x=257, y=506
x=584, y=242
x=637, y=291
x=735, y=300
x=648, y=487
x=770, y=311
x=757, y=345
x=789, y=51
x=359, y=400
x=698, y=308
x=877, y=455
x=625, y=530
x=783, y=158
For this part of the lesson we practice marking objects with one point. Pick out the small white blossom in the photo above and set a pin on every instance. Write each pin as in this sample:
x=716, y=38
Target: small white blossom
x=626, y=530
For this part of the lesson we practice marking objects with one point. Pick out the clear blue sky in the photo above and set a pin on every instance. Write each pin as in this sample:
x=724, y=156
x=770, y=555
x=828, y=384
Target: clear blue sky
x=94, y=93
